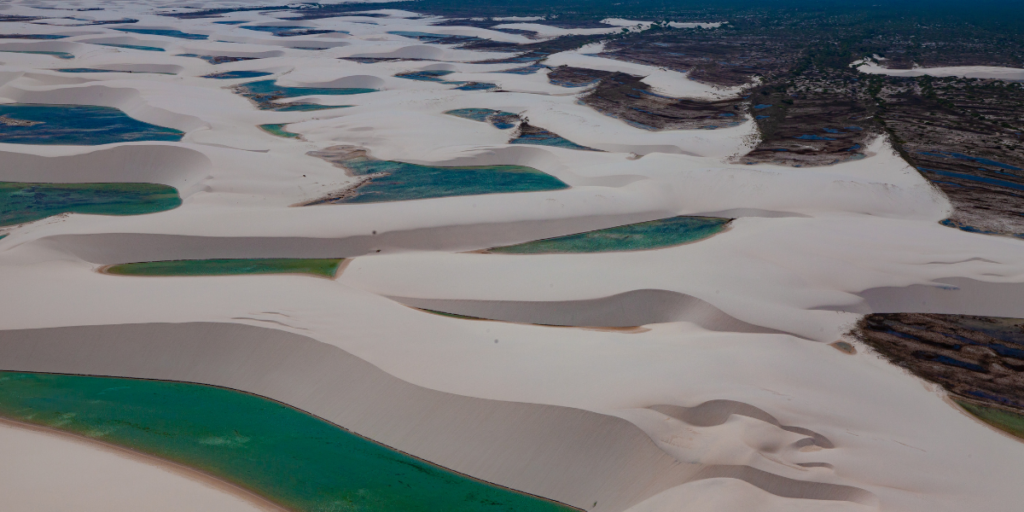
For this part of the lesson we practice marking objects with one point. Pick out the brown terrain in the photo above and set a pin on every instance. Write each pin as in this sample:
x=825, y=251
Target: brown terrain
x=976, y=359
x=965, y=136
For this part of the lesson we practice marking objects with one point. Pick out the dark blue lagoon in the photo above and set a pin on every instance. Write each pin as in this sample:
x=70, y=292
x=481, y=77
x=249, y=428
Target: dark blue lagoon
x=229, y=75
x=399, y=181
x=167, y=33
x=265, y=92
x=631, y=237
x=59, y=55
x=76, y=125
x=133, y=47
x=27, y=202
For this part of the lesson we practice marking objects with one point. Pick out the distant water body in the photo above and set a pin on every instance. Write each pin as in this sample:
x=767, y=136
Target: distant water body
x=400, y=181
x=325, y=267
x=631, y=237
x=266, y=92
x=78, y=125
x=28, y=202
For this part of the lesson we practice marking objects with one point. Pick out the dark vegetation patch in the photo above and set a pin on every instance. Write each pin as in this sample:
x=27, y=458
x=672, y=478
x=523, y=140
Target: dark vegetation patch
x=817, y=118
x=729, y=56
x=979, y=360
x=965, y=136
x=430, y=38
x=122, y=21
x=625, y=97
x=531, y=52
x=487, y=23
x=217, y=59
x=567, y=76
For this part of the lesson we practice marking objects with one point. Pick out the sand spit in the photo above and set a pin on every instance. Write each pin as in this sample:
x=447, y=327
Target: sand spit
x=587, y=460
x=630, y=309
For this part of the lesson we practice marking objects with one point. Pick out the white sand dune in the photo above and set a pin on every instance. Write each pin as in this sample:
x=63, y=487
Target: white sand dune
x=113, y=248
x=728, y=398
x=630, y=309
x=585, y=457
x=179, y=167
x=994, y=72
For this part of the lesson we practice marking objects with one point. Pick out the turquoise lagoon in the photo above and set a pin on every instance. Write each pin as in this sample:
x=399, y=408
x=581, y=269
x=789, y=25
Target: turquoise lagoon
x=292, y=458
x=631, y=237
x=501, y=120
x=400, y=181
x=27, y=202
x=265, y=92
x=278, y=129
x=133, y=47
x=78, y=125
x=541, y=137
x=59, y=55
x=324, y=267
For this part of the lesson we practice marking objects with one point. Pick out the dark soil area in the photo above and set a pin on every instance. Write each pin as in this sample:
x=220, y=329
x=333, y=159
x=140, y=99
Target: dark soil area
x=815, y=119
x=566, y=76
x=625, y=97
x=965, y=136
x=718, y=57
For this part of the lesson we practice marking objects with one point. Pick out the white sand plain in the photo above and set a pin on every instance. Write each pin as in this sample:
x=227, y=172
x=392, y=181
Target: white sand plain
x=992, y=72
x=729, y=399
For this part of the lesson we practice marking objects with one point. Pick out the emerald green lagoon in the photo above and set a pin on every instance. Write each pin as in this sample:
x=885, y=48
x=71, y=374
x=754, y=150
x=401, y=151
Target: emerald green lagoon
x=400, y=181
x=325, y=267
x=278, y=129
x=292, y=458
x=27, y=202
x=1002, y=419
x=631, y=237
